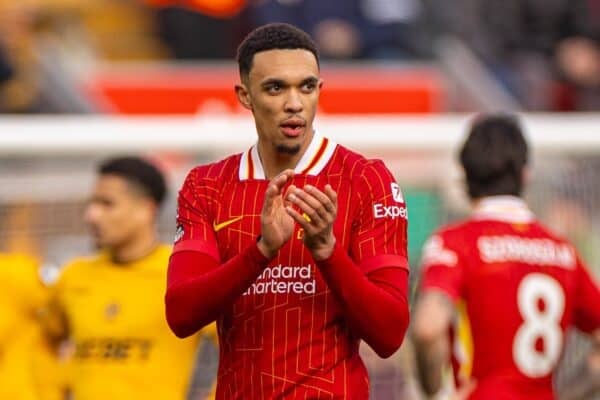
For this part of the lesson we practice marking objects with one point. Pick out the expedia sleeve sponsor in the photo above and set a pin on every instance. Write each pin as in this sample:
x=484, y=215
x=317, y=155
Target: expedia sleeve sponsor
x=113, y=349
x=397, y=210
x=394, y=211
x=397, y=193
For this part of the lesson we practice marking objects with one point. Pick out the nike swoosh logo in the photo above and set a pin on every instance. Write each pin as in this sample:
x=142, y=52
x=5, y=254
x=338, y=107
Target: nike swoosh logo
x=219, y=226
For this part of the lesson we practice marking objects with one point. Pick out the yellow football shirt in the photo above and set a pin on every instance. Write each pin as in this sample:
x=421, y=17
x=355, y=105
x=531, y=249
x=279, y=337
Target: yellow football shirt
x=123, y=348
x=28, y=366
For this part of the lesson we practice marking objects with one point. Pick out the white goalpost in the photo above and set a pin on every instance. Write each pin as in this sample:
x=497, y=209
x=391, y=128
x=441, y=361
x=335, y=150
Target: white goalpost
x=47, y=166
x=224, y=133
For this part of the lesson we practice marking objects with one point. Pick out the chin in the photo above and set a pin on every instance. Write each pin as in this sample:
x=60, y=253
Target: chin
x=288, y=149
x=100, y=243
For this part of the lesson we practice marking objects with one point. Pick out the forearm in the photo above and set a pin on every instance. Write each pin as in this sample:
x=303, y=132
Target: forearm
x=430, y=327
x=376, y=311
x=584, y=381
x=53, y=321
x=197, y=296
x=431, y=359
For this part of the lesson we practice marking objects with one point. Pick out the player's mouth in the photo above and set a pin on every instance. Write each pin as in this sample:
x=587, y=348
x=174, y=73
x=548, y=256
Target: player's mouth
x=293, y=127
x=95, y=232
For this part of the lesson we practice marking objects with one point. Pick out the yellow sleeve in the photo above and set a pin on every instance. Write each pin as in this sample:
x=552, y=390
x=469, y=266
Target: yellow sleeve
x=31, y=352
x=54, y=319
x=50, y=375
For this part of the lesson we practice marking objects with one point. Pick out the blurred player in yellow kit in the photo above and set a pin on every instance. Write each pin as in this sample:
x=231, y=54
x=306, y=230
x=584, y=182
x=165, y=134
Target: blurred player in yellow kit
x=28, y=366
x=110, y=305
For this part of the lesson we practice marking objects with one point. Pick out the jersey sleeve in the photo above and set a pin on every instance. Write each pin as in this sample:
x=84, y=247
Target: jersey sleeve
x=35, y=292
x=379, y=239
x=441, y=268
x=587, y=301
x=194, y=230
x=54, y=321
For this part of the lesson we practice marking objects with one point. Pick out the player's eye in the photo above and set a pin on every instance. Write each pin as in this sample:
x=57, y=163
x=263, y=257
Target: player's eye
x=309, y=87
x=274, y=88
x=105, y=202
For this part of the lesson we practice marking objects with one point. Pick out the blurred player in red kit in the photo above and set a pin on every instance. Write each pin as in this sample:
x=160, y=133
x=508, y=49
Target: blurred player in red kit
x=522, y=286
x=297, y=247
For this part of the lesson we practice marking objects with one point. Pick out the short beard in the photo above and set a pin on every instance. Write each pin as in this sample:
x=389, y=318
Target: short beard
x=289, y=150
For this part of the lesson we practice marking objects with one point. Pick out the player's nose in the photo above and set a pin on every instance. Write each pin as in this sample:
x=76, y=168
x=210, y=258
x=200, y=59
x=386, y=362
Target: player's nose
x=293, y=103
x=91, y=214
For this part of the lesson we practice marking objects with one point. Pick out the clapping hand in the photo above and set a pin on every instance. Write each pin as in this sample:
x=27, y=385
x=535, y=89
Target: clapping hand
x=276, y=225
x=318, y=210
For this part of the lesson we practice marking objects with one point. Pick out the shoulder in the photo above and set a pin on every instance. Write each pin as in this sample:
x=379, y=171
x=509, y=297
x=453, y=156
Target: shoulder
x=356, y=165
x=451, y=236
x=164, y=251
x=456, y=228
x=566, y=251
x=18, y=260
x=204, y=182
x=159, y=259
x=225, y=169
x=549, y=233
x=452, y=245
x=77, y=267
x=369, y=177
x=18, y=268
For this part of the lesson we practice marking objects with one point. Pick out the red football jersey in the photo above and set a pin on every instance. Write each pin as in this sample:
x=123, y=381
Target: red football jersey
x=286, y=335
x=523, y=287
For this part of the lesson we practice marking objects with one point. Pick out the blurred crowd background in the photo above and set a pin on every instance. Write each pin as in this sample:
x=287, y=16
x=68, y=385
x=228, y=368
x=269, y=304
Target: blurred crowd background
x=529, y=54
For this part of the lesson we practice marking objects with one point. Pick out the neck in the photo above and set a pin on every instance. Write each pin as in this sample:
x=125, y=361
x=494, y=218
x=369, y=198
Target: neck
x=477, y=201
x=274, y=161
x=144, y=243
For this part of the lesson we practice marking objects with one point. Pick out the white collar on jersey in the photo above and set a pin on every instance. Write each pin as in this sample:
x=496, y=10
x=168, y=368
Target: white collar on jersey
x=317, y=155
x=503, y=208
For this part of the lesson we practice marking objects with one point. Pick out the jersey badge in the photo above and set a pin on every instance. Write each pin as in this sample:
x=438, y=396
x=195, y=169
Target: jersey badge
x=111, y=311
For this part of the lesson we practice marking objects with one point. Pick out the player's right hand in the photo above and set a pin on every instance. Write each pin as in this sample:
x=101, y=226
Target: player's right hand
x=277, y=226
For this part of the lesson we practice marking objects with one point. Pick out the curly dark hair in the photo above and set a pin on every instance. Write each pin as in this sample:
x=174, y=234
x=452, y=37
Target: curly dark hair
x=270, y=37
x=493, y=156
x=139, y=173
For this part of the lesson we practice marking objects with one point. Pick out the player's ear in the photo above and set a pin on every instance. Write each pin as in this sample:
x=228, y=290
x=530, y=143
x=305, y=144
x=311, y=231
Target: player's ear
x=243, y=96
x=147, y=209
x=320, y=84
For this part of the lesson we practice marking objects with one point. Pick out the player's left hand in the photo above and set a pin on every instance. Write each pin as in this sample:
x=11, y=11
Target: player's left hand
x=318, y=212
